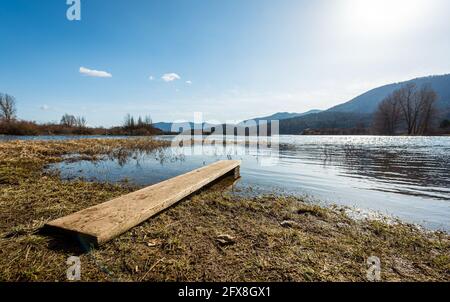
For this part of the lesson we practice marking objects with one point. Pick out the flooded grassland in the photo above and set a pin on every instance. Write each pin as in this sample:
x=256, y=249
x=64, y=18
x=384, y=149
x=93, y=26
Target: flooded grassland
x=218, y=234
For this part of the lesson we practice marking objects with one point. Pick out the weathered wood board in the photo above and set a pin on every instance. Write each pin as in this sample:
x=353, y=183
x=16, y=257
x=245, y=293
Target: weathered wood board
x=105, y=221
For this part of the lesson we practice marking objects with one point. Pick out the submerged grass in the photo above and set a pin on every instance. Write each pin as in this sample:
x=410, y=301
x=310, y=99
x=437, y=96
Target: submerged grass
x=268, y=238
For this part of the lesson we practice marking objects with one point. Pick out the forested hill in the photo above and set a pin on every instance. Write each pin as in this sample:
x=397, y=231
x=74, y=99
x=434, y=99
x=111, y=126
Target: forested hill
x=326, y=120
x=369, y=101
x=354, y=114
x=358, y=112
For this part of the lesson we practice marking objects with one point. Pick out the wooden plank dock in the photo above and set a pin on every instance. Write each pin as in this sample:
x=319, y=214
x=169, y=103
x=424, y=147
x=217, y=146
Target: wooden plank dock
x=103, y=222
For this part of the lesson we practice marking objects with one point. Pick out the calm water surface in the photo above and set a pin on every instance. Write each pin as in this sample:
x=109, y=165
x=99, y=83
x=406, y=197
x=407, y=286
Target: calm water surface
x=407, y=177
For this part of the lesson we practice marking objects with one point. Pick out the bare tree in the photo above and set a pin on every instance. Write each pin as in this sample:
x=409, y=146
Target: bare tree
x=7, y=107
x=427, y=99
x=416, y=108
x=148, y=120
x=129, y=121
x=81, y=122
x=387, y=117
x=68, y=121
x=406, y=97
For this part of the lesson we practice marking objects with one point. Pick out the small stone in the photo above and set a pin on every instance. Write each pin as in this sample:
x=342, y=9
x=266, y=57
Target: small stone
x=341, y=225
x=225, y=239
x=289, y=224
x=153, y=242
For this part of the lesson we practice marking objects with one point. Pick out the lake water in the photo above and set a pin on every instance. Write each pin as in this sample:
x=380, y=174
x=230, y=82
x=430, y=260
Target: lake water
x=407, y=177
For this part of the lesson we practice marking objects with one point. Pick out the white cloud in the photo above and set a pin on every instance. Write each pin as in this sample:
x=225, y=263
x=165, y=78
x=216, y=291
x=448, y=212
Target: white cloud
x=170, y=77
x=151, y=78
x=189, y=82
x=94, y=73
x=44, y=107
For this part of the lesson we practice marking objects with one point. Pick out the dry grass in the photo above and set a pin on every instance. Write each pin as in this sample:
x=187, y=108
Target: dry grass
x=181, y=244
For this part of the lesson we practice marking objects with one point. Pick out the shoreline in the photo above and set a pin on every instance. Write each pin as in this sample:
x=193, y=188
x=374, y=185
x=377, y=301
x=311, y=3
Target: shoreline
x=207, y=135
x=267, y=237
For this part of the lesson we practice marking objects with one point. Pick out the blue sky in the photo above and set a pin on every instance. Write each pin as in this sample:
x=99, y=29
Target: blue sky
x=231, y=59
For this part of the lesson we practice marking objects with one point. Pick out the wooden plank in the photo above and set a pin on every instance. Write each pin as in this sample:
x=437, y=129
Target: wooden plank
x=105, y=221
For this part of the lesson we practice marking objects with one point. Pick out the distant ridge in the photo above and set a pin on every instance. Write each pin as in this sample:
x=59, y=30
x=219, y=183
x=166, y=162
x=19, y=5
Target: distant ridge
x=369, y=101
x=356, y=113
x=285, y=115
x=167, y=127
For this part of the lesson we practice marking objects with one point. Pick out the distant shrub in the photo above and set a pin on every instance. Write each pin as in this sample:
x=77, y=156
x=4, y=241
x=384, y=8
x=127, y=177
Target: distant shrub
x=19, y=128
x=445, y=124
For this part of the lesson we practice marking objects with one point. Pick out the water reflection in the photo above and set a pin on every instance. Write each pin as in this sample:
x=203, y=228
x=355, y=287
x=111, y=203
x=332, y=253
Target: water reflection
x=402, y=171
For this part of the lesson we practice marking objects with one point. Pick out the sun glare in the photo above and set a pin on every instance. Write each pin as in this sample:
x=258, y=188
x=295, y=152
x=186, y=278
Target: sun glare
x=383, y=16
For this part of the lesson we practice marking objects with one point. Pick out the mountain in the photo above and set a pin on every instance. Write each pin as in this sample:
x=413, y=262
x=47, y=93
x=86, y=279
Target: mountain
x=167, y=127
x=285, y=115
x=358, y=112
x=368, y=102
x=325, y=120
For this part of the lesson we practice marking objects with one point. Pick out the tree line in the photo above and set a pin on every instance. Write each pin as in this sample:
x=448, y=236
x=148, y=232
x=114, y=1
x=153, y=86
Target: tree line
x=68, y=124
x=131, y=122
